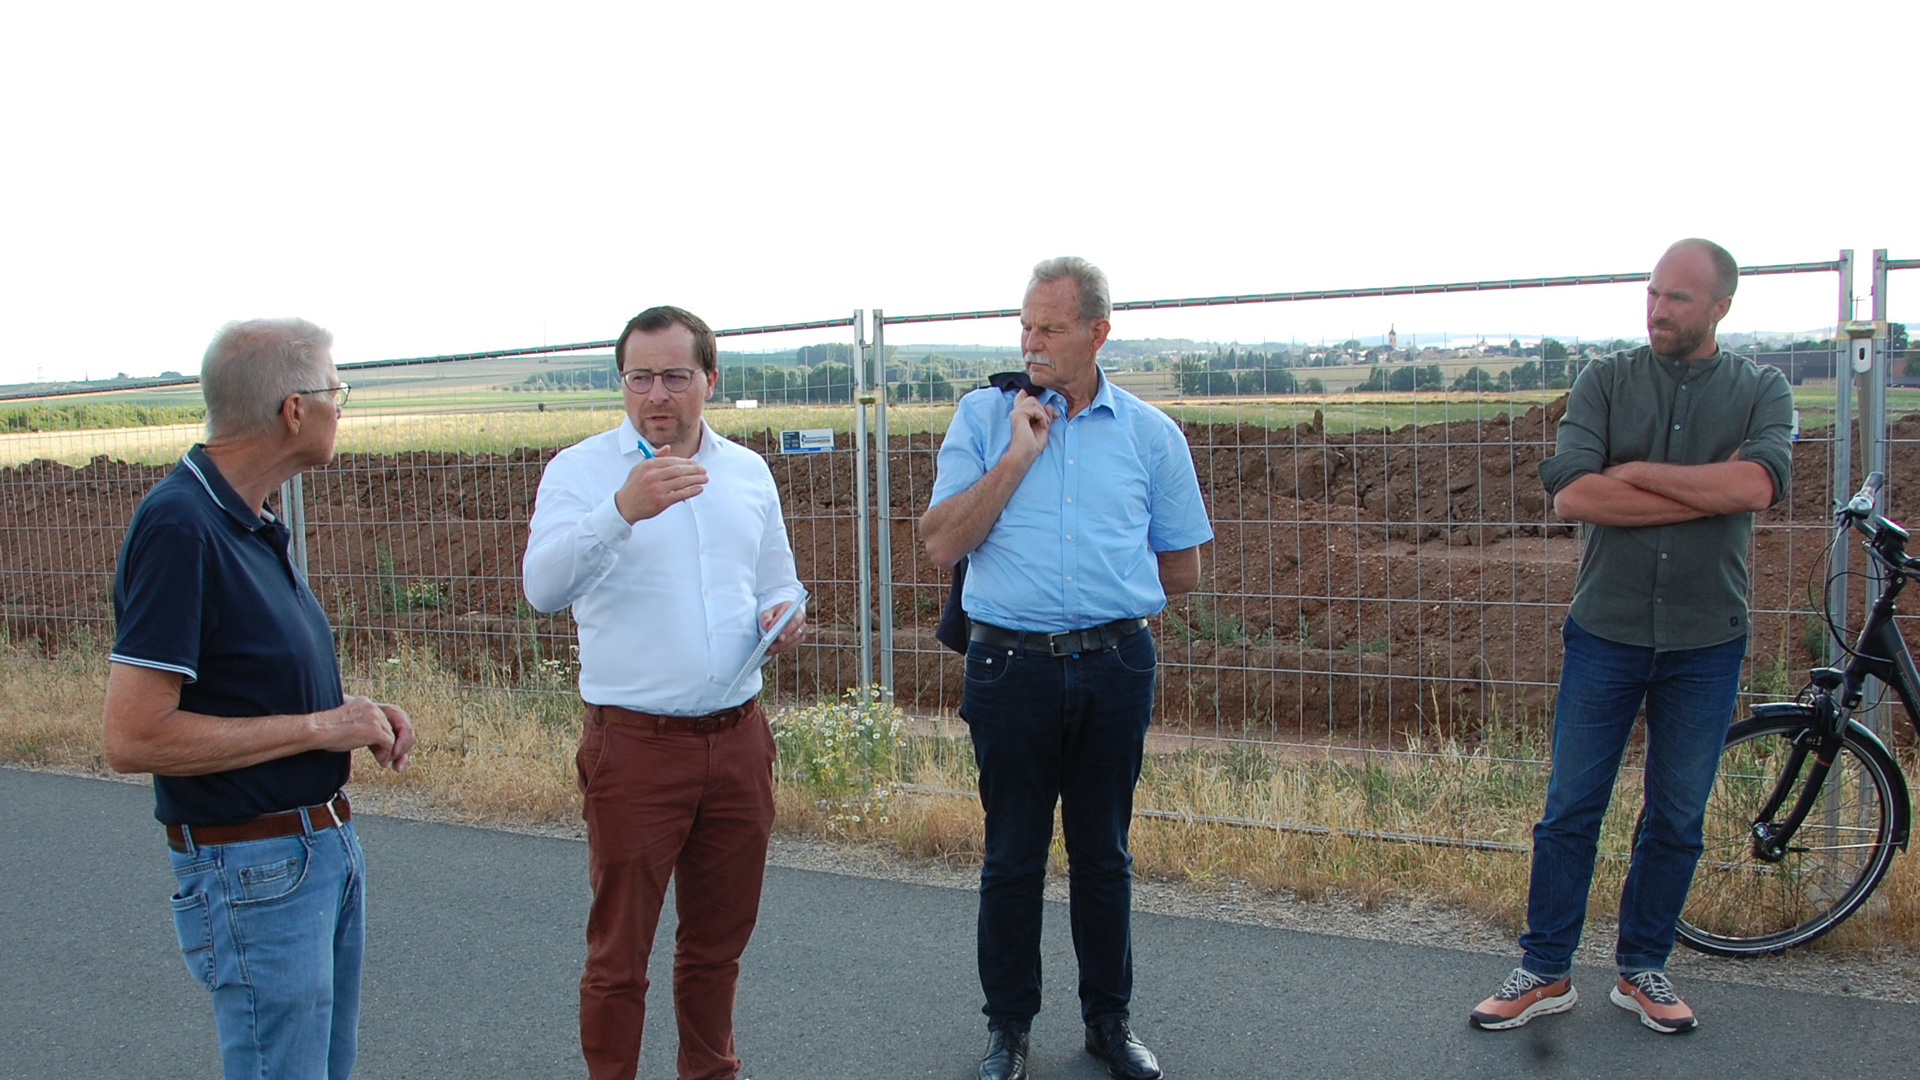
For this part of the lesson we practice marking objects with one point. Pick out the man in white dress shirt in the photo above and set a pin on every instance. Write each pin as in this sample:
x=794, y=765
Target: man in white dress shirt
x=670, y=584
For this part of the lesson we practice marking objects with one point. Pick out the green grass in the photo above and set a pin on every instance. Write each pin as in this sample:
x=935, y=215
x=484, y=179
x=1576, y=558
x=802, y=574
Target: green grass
x=481, y=420
x=1347, y=413
x=85, y=416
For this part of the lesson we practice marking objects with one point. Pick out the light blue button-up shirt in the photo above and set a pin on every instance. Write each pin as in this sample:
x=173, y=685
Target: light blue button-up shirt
x=1075, y=545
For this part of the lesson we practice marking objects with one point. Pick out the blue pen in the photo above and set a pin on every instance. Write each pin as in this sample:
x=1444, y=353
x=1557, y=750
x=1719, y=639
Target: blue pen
x=647, y=450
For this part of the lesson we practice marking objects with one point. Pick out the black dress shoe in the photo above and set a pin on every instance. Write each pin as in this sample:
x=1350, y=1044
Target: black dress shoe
x=1006, y=1057
x=1127, y=1057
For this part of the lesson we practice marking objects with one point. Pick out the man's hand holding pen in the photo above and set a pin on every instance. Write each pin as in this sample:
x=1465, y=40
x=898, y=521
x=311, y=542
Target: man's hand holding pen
x=657, y=483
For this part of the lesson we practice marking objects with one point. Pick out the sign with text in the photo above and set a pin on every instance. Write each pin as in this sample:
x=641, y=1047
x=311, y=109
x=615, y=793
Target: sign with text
x=806, y=441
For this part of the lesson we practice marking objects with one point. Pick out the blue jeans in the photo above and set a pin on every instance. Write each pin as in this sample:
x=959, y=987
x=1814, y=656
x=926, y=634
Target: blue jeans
x=1689, y=698
x=1071, y=730
x=276, y=930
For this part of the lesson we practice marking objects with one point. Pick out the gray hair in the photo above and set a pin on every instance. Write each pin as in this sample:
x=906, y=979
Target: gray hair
x=1095, y=303
x=253, y=366
x=1726, y=272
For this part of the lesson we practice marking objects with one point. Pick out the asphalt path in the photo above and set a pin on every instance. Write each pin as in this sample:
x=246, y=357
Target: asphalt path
x=475, y=944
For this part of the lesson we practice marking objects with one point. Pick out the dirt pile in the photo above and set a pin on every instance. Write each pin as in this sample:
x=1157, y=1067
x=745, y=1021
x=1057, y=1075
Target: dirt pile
x=1383, y=584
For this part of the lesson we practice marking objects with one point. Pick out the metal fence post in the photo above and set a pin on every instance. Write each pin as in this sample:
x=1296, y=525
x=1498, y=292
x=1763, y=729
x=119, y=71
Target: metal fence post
x=883, y=539
x=1842, y=479
x=1873, y=439
x=863, y=550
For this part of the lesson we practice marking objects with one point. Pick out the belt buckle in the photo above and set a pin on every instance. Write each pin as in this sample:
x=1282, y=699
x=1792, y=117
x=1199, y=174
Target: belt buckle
x=1053, y=644
x=708, y=724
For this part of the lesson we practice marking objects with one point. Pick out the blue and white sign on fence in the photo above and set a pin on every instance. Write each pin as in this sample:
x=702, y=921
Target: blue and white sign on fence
x=806, y=441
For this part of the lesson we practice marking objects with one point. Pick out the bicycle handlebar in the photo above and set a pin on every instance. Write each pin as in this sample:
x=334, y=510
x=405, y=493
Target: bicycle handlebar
x=1860, y=507
x=1885, y=538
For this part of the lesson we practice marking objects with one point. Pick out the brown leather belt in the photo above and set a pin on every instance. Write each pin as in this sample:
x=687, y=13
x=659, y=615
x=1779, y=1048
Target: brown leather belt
x=698, y=725
x=334, y=812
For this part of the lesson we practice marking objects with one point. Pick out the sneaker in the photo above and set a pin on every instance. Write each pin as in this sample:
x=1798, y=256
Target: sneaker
x=1521, y=998
x=1651, y=995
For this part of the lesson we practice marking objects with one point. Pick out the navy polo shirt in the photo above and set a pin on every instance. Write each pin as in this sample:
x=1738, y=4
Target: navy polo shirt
x=205, y=588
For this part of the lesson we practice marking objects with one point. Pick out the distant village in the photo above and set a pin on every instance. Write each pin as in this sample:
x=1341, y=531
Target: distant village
x=1160, y=368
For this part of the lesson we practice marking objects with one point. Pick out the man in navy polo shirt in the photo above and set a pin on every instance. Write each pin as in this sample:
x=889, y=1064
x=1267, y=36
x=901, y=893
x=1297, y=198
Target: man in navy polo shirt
x=1076, y=506
x=224, y=686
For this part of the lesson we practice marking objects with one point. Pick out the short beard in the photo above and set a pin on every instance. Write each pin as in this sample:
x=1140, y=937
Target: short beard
x=1684, y=341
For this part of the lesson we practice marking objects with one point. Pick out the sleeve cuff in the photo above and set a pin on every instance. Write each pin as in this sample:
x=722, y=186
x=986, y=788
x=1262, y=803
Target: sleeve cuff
x=184, y=672
x=608, y=526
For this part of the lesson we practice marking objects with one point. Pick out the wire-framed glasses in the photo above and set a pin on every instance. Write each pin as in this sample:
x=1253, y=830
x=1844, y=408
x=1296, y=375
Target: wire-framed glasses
x=338, y=393
x=640, y=380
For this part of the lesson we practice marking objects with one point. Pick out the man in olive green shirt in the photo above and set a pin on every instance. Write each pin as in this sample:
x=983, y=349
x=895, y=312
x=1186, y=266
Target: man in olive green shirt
x=1663, y=456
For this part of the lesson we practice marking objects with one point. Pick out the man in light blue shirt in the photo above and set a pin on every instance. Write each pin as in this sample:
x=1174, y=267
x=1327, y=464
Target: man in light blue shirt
x=1078, y=511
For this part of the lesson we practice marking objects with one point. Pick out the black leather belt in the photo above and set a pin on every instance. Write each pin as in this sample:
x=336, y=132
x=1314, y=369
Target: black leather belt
x=1066, y=643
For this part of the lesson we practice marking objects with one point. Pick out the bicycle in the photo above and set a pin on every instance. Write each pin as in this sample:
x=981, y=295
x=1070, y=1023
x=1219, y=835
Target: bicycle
x=1810, y=806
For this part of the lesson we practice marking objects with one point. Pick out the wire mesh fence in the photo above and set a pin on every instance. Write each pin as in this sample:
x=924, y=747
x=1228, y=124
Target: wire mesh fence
x=1386, y=578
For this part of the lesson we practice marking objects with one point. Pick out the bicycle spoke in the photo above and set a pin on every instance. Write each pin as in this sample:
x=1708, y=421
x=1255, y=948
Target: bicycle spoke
x=1740, y=903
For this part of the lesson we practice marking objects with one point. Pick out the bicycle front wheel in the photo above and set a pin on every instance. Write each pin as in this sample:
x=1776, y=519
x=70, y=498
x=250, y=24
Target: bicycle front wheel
x=1741, y=905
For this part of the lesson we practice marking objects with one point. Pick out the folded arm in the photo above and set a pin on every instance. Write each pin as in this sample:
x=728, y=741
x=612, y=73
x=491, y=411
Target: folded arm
x=1637, y=493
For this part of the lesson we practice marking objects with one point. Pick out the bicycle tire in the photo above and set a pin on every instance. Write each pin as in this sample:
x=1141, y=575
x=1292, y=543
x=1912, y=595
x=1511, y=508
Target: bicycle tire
x=1740, y=905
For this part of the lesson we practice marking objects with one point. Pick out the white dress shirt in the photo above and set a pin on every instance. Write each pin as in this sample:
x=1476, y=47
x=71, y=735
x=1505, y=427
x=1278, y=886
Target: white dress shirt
x=667, y=608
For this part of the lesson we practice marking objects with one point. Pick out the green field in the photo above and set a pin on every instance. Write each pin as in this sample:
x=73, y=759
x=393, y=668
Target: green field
x=463, y=417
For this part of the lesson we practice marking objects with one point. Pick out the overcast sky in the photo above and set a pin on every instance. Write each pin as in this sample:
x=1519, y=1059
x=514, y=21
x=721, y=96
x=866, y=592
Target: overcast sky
x=432, y=178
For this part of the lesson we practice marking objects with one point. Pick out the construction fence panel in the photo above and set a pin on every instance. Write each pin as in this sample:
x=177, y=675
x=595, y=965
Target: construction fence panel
x=1387, y=575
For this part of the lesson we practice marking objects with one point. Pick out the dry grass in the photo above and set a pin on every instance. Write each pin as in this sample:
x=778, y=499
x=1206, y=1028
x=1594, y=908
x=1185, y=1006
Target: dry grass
x=499, y=751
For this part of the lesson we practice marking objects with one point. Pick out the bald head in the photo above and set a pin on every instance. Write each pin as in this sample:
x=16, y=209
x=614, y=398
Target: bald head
x=1726, y=272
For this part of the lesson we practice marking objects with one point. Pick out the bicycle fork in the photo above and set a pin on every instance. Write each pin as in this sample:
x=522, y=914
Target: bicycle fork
x=1770, y=837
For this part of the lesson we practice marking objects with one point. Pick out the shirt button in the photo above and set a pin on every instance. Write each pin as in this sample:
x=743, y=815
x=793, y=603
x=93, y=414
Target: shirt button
x=1069, y=577
x=1663, y=554
x=1069, y=461
x=1676, y=427
x=1069, y=536
x=1069, y=498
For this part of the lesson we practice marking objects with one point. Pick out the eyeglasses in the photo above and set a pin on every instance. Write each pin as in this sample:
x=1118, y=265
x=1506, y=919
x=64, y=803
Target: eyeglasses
x=640, y=380
x=339, y=393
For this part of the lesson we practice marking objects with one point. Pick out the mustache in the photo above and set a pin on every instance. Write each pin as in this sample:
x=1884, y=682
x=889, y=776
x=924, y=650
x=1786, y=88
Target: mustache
x=1036, y=358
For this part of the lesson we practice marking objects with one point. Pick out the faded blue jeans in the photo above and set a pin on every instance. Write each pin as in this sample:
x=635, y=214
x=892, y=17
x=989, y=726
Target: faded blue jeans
x=276, y=930
x=1689, y=698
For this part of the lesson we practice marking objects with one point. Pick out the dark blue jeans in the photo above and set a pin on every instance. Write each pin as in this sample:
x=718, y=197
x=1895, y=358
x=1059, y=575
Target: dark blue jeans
x=1689, y=697
x=1069, y=730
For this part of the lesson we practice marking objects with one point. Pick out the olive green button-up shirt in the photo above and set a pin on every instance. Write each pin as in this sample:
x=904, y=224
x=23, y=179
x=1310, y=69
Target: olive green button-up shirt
x=1680, y=586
